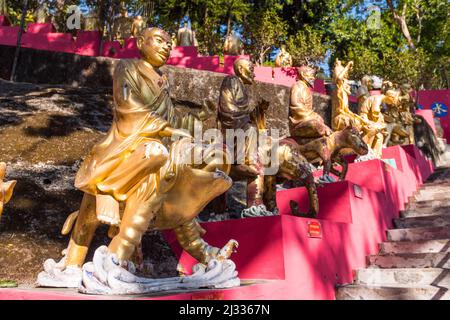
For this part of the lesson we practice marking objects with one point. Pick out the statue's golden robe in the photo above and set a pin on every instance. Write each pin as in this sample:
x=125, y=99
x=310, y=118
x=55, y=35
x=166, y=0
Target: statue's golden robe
x=303, y=121
x=142, y=109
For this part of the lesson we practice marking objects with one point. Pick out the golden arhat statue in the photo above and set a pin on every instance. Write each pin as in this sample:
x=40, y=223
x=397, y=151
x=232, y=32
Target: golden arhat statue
x=138, y=168
x=235, y=112
x=407, y=109
x=399, y=119
x=6, y=188
x=233, y=45
x=185, y=36
x=122, y=24
x=371, y=111
x=304, y=123
x=138, y=26
x=370, y=124
x=283, y=59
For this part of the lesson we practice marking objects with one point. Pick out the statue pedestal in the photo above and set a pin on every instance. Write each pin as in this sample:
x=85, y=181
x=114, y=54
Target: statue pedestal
x=337, y=201
x=425, y=165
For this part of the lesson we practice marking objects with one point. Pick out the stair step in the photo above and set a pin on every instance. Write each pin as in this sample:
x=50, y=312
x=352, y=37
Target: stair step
x=441, y=195
x=429, y=204
x=362, y=292
x=404, y=277
x=415, y=234
x=427, y=221
x=422, y=212
x=411, y=260
x=424, y=246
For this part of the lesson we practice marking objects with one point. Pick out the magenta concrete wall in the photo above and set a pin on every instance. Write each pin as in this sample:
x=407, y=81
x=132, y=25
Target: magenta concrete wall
x=427, y=98
x=278, y=252
x=40, y=28
x=4, y=21
x=353, y=224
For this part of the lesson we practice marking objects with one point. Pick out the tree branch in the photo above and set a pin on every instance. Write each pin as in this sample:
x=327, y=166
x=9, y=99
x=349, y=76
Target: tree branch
x=401, y=21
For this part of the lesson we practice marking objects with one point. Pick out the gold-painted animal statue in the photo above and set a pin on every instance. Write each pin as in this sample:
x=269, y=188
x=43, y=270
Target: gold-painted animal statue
x=329, y=150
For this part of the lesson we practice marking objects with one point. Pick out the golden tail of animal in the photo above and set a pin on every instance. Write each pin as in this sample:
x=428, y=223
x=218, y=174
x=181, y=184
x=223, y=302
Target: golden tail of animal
x=70, y=221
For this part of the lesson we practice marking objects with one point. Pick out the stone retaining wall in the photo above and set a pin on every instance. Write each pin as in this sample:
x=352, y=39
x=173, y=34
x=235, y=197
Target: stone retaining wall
x=188, y=86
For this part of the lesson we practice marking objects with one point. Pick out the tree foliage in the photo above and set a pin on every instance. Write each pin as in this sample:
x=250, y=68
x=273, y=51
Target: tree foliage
x=410, y=43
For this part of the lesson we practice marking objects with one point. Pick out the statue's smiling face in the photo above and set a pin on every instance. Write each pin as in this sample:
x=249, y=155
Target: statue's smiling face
x=155, y=45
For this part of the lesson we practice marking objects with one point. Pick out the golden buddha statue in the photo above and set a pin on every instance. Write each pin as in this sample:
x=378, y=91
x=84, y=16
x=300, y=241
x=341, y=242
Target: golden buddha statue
x=122, y=25
x=407, y=110
x=283, y=59
x=138, y=26
x=42, y=14
x=233, y=45
x=235, y=112
x=136, y=179
x=304, y=123
x=174, y=40
x=343, y=117
x=371, y=111
x=400, y=119
x=185, y=36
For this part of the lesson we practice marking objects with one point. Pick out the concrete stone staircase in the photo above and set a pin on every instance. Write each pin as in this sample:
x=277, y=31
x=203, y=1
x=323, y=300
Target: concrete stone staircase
x=414, y=264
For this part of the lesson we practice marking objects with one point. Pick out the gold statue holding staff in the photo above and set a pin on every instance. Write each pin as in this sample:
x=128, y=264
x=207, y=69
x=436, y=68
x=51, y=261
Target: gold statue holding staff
x=370, y=124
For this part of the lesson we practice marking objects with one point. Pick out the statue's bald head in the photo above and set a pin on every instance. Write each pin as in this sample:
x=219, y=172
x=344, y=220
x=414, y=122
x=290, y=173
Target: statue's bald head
x=154, y=45
x=391, y=97
x=307, y=74
x=152, y=32
x=244, y=69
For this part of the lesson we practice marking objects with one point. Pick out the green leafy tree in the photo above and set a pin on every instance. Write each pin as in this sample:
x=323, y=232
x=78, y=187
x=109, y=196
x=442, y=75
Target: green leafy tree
x=307, y=46
x=264, y=31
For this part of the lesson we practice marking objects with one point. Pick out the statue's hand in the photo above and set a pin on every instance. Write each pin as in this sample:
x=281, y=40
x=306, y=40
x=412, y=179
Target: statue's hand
x=171, y=132
x=208, y=110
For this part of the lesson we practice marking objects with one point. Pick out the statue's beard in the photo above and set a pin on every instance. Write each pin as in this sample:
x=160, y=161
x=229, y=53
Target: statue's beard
x=309, y=82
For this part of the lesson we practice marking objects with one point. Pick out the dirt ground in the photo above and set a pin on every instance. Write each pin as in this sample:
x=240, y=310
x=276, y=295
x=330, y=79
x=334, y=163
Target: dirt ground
x=45, y=131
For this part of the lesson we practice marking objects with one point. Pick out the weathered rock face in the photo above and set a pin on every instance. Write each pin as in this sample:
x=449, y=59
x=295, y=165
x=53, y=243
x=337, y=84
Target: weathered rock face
x=45, y=132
